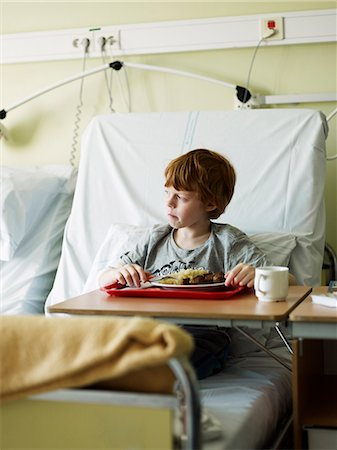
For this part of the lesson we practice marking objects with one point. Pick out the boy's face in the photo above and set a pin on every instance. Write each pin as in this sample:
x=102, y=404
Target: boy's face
x=185, y=209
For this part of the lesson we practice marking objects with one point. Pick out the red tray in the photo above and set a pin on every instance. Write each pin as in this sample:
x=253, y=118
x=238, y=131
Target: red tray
x=225, y=294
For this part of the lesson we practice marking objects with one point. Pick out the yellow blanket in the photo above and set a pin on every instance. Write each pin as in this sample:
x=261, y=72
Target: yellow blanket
x=40, y=354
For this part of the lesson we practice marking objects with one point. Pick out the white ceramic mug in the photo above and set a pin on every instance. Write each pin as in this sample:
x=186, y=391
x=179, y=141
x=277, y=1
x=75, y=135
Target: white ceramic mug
x=271, y=283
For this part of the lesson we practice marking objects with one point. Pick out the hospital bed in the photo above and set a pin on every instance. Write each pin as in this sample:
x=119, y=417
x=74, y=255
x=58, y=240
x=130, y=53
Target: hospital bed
x=59, y=391
x=279, y=157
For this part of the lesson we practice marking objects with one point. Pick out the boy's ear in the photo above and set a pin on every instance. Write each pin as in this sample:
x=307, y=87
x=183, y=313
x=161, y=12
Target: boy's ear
x=210, y=207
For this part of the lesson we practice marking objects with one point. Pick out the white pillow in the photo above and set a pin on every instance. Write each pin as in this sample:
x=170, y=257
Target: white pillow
x=27, y=193
x=35, y=205
x=121, y=237
x=12, y=221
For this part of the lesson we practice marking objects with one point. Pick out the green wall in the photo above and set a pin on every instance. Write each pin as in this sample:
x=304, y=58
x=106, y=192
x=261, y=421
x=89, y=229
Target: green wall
x=42, y=130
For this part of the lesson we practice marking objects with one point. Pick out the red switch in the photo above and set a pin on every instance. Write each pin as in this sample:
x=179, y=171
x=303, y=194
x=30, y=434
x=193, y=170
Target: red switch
x=271, y=24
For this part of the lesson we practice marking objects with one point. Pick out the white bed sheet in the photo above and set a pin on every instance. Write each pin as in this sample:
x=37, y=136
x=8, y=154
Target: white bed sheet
x=249, y=398
x=279, y=156
x=36, y=203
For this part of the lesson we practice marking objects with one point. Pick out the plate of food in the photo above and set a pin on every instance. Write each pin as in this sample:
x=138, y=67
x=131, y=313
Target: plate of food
x=191, y=279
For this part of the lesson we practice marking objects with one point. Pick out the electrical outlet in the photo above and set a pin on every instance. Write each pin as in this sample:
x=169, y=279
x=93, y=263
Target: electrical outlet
x=108, y=39
x=272, y=28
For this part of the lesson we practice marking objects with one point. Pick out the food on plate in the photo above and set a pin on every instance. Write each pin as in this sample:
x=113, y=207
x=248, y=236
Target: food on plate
x=193, y=276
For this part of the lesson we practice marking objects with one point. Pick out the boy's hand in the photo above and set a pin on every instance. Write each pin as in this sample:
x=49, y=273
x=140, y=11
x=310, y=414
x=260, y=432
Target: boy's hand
x=131, y=274
x=241, y=275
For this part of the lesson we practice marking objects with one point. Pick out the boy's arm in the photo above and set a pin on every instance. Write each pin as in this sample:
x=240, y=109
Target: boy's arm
x=108, y=276
x=131, y=274
x=244, y=274
x=124, y=270
x=245, y=257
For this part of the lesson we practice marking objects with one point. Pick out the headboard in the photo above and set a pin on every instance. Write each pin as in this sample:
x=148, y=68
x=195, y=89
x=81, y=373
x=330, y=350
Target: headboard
x=278, y=154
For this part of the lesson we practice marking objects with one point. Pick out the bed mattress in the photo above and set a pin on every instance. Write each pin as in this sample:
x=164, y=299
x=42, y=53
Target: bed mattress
x=248, y=399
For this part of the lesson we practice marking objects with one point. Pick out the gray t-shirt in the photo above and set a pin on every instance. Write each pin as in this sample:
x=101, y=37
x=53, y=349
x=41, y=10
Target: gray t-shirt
x=226, y=246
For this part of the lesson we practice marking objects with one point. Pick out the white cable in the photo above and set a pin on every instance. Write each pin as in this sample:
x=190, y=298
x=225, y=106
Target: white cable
x=251, y=67
x=271, y=33
x=126, y=100
x=74, y=145
x=107, y=83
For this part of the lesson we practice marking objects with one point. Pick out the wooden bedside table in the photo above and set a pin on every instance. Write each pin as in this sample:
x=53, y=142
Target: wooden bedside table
x=314, y=328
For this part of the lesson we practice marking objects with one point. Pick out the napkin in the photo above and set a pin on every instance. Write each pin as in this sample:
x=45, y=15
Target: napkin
x=329, y=300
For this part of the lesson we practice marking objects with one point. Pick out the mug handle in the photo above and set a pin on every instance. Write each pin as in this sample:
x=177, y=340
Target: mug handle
x=258, y=283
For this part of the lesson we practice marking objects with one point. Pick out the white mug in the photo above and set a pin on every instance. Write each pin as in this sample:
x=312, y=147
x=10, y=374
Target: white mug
x=271, y=283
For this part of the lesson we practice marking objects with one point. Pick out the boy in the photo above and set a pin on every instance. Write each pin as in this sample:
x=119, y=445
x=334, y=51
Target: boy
x=198, y=186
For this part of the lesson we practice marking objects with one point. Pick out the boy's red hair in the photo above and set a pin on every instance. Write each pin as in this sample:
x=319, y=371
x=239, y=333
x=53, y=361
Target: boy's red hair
x=206, y=172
